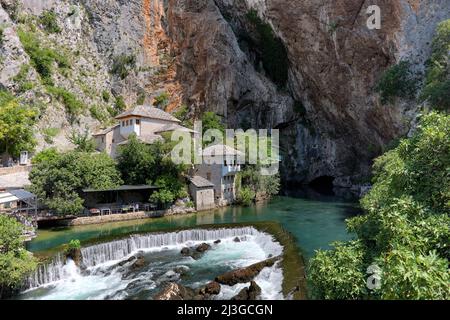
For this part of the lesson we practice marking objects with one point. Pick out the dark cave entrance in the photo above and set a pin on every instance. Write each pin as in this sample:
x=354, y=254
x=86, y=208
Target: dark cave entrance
x=323, y=185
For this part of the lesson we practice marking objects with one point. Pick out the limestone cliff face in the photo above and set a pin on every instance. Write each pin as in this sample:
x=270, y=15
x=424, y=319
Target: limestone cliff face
x=334, y=62
x=306, y=67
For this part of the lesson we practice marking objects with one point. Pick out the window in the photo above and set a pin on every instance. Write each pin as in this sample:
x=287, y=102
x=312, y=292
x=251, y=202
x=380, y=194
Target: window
x=225, y=162
x=138, y=121
x=103, y=139
x=131, y=122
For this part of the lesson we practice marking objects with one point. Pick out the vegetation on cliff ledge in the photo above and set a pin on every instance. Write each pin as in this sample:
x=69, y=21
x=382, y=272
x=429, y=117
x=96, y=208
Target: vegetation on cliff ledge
x=402, y=246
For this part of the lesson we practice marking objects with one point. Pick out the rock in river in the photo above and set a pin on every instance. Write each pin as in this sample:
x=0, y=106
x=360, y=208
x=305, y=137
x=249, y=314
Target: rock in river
x=245, y=275
x=251, y=293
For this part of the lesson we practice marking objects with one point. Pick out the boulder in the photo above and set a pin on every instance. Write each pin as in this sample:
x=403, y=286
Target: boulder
x=185, y=251
x=251, y=293
x=75, y=255
x=211, y=288
x=138, y=263
x=217, y=241
x=175, y=291
x=244, y=275
x=203, y=247
x=237, y=239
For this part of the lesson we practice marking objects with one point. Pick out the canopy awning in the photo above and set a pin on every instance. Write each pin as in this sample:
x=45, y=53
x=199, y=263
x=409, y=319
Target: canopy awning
x=15, y=195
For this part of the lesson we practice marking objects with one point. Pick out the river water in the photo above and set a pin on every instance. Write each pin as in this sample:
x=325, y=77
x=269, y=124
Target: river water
x=315, y=223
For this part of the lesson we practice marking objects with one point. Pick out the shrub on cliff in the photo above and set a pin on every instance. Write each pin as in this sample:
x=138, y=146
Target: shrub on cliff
x=405, y=230
x=437, y=83
x=15, y=262
x=398, y=81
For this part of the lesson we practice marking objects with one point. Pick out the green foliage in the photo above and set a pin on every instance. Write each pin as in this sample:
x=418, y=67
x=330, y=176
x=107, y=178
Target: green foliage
x=183, y=114
x=261, y=186
x=140, y=99
x=74, y=245
x=49, y=21
x=16, y=125
x=42, y=59
x=2, y=30
x=437, y=83
x=21, y=78
x=74, y=107
x=119, y=107
x=398, y=81
x=49, y=134
x=162, y=100
x=210, y=120
x=15, y=262
x=140, y=163
x=246, y=196
x=339, y=274
x=82, y=141
x=46, y=155
x=106, y=96
x=122, y=65
x=99, y=114
x=59, y=181
x=162, y=197
x=272, y=50
x=406, y=228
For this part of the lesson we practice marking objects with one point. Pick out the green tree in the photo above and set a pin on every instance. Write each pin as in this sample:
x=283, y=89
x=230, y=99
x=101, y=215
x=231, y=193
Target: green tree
x=406, y=228
x=59, y=181
x=82, y=141
x=140, y=163
x=15, y=262
x=16, y=125
x=46, y=155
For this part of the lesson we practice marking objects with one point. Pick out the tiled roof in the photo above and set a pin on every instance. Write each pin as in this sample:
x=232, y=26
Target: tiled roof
x=173, y=127
x=200, y=182
x=147, y=111
x=105, y=131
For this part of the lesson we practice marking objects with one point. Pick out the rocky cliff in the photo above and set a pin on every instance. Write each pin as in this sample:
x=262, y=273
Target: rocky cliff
x=308, y=68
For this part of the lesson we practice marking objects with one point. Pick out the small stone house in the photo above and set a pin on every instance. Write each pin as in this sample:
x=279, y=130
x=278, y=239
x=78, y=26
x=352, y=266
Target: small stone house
x=202, y=193
x=220, y=166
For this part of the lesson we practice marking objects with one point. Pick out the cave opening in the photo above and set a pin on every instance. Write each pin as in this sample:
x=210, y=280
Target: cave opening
x=323, y=185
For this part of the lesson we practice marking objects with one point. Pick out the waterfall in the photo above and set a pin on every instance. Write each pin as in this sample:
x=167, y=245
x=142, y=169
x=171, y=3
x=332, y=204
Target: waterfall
x=119, y=249
x=46, y=273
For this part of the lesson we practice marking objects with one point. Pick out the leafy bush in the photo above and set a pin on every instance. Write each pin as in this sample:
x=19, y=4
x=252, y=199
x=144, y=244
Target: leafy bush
x=49, y=21
x=245, y=196
x=105, y=96
x=271, y=49
x=397, y=81
x=437, y=83
x=74, y=245
x=42, y=59
x=1, y=34
x=406, y=227
x=74, y=107
x=21, y=78
x=122, y=65
x=162, y=100
x=98, y=113
x=45, y=155
x=49, y=134
x=162, y=197
x=82, y=141
x=119, y=107
x=15, y=262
